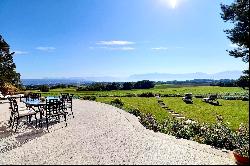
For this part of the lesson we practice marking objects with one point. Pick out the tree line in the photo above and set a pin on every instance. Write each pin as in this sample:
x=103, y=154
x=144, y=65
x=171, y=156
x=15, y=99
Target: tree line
x=144, y=84
x=98, y=86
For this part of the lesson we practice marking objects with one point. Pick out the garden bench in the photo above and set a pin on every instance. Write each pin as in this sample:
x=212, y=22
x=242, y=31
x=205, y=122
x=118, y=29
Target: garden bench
x=188, y=98
x=212, y=99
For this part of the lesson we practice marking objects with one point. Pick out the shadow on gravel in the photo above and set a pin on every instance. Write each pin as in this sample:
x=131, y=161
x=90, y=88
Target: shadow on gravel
x=9, y=139
x=5, y=131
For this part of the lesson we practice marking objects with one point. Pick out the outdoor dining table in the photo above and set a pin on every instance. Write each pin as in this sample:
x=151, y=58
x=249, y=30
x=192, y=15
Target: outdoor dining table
x=52, y=97
x=35, y=103
x=39, y=104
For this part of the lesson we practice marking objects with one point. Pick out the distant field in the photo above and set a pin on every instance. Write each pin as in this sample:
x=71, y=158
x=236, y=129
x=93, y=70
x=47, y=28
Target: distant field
x=233, y=111
x=160, y=89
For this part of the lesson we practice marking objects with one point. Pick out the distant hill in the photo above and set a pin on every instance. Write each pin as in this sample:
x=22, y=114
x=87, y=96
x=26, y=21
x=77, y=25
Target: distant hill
x=51, y=81
x=186, y=76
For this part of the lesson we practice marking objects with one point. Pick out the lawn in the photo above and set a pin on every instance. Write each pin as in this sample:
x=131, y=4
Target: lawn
x=145, y=105
x=234, y=112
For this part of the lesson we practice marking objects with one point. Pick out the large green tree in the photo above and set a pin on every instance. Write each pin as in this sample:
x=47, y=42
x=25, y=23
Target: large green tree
x=237, y=13
x=8, y=72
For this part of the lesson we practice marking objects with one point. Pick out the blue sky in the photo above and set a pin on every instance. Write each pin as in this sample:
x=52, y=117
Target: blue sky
x=82, y=38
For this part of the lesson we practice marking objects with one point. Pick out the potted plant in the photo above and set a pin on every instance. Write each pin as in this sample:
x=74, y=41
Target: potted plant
x=241, y=155
x=241, y=152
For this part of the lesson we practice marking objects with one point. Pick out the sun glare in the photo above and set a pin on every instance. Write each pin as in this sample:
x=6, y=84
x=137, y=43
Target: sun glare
x=170, y=3
x=173, y=3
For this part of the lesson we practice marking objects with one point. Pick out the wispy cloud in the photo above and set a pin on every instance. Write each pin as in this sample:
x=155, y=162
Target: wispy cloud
x=121, y=45
x=160, y=48
x=45, y=48
x=17, y=52
x=119, y=48
x=115, y=42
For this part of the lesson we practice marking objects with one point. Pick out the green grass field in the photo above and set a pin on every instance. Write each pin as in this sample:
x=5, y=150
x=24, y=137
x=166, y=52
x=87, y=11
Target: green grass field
x=234, y=112
x=145, y=105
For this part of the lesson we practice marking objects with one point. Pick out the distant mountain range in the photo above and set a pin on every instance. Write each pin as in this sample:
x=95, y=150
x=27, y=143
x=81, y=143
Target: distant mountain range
x=186, y=76
x=53, y=81
x=136, y=77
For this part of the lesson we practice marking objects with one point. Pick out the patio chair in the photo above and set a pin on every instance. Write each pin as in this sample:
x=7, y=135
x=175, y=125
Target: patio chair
x=67, y=103
x=11, y=100
x=17, y=114
x=54, y=108
x=11, y=112
x=35, y=96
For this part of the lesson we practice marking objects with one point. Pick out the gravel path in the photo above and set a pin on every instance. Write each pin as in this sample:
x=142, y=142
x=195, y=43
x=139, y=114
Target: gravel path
x=100, y=134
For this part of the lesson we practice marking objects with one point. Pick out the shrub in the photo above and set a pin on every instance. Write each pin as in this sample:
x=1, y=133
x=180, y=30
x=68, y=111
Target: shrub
x=117, y=102
x=135, y=112
x=146, y=94
x=172, y=95
x=242, y=141
x=218, y=135
x=186, y=131
x=149, y=121
x=92, y=98
x=130, y=95
x=44, y=88
x=8, y=88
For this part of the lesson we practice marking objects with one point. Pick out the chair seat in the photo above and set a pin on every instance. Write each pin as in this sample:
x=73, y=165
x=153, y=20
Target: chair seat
x=26, y=112
x=68, y=106
x=21, y=109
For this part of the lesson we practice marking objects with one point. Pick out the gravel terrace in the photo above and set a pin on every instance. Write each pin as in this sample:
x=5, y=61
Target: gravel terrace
x=100, y=134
